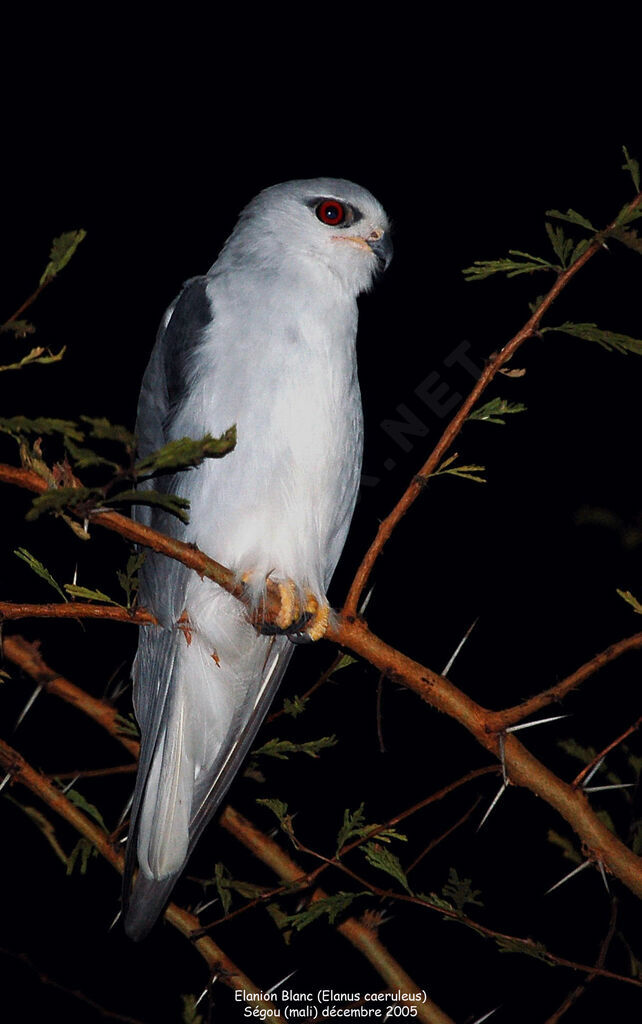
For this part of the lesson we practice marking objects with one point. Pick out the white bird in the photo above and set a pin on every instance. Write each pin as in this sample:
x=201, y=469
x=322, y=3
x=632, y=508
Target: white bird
x=266, y=341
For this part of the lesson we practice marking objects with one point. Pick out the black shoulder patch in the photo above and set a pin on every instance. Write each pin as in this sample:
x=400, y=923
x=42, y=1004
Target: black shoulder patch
x=184, y=333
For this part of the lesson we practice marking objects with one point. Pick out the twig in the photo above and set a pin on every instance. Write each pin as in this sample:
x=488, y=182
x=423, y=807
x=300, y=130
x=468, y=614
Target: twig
x=573, y=996
x=500, y=720
x=184, y=922
x=579, y=779
x=76, y=610
x=356, y=932
x=456, y=423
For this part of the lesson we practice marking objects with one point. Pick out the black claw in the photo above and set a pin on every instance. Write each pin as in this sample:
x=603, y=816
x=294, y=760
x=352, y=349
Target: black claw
x=293, y=631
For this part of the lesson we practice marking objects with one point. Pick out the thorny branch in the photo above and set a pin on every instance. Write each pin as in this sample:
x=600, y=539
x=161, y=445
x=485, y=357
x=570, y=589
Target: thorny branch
x=25, y=655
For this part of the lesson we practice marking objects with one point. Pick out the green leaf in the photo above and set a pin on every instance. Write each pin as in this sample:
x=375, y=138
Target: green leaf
x=62, y=249
x=85, y=594
x=296, y=706
x=185, y=453
x=493, y=411
x=82, y=851
x=129, y=579
x=458, y=891
x=382, y=858
x=59, y=499
x=526, y=264
x=628, y=237
x=281, y=749
x=354, y=826
x=278, y=807
x=84, y=457
x=103, y=430
x=35, y=356
x=78, y=800
x=609, y=340
x=332, y=906
x=573, y=217
x=535, y=949
x=221, y=881
x=465, y=472
x=18, y=426
x=19, y=328
x=627, y=596
x=190, y=1014
x=562, y=246
x=39, y=569
x=633, y=167
x=156, y=499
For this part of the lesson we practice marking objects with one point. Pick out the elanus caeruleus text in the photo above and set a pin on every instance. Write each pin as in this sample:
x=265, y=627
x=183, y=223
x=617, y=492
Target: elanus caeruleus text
x=265, y=340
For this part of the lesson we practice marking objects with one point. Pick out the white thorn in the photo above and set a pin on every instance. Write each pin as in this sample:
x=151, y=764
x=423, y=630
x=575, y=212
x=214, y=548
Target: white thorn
x=115, y=921
x=123, y=840
x=75, y=579
x=366, y=600
x=200, y=998
x=502, y=756
x=566, y=877
x=598, y=789
x=604, y=878
x=538, y=721
x=28, y=705
x=200, y=907
x=486, y=1016
x=281, y=982
x=70, y=785
x=593, y=770
x=451, y=661
x=5, y=781
x=502, y=789
x=126, y=810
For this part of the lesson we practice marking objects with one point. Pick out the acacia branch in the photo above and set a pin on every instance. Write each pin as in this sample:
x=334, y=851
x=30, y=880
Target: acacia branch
x=455, y=425
x=217, y=961
x=27, y=656
x=523, y=769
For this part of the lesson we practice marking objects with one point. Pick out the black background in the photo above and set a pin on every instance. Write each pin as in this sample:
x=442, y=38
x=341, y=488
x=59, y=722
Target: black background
x=155, y=165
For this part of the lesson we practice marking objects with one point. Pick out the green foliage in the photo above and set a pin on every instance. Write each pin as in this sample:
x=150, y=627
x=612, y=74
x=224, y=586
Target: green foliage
x=296, y=706
x=19, y=328
x=63, y=499
x=62, y=249
x=459, y=892
x=609, y=340
x=40, y=570
x=81, y=854
x=464, y=472
x=383, y=859
x=535, y=949
x=78, y=800
x=103, y=430
x=633, y=167
x=330, y=906
x=355, y=827
x=493, y=411
x=627, y=596
x=282, y=749
x=20, y=427
x=573, y=217
x=129, y=578
x=85, y=594
x=190, y=1014
x=185, y=453
x=171, y=503
x=526, y=264
x=36, y=355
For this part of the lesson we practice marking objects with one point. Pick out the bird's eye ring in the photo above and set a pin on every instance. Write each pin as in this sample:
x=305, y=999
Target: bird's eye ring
x=331, y=211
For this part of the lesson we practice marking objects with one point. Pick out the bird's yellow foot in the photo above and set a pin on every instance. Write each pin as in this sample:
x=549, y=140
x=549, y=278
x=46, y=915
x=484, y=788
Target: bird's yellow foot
x=300, y=619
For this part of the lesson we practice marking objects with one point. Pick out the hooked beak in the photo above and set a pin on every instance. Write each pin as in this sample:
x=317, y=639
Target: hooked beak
x=378, y=242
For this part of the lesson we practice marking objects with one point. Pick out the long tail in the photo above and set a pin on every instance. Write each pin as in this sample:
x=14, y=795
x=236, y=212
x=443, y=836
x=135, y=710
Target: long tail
x=199, y=715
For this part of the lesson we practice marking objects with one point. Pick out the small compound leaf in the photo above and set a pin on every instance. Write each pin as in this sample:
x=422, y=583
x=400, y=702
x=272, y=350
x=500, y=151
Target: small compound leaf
x=62, y=249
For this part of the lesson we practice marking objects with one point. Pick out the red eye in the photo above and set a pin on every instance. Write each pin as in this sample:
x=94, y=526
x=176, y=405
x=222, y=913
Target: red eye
x=330, y=211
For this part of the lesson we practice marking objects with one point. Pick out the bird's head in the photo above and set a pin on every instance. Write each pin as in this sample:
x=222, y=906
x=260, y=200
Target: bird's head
x=328, y=221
